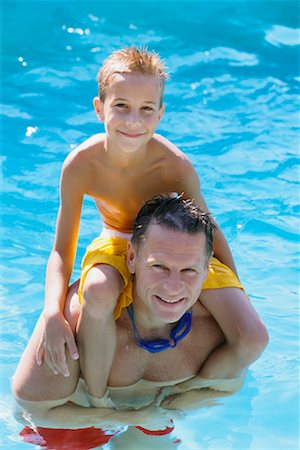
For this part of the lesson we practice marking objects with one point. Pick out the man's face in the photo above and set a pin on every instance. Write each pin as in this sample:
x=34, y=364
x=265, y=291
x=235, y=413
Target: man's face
x=170, y=267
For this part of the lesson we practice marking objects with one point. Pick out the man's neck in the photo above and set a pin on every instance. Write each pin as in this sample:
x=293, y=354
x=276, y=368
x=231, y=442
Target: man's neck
x=178, y=332
x=149, y=326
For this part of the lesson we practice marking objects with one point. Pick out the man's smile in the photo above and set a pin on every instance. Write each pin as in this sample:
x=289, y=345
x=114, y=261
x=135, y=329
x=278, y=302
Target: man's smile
x=169, y=301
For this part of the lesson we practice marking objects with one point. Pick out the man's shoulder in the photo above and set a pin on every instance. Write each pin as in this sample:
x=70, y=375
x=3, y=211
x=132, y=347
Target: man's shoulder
x=199, y=314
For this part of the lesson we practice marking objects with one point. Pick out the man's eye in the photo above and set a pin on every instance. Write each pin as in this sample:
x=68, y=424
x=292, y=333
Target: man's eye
x=190, y=271
x=158, y=267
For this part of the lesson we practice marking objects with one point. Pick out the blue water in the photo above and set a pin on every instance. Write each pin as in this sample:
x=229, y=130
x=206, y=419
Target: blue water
x=232, y=106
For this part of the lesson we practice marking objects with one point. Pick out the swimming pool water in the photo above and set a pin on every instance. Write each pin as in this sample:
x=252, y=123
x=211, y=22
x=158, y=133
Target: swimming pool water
x=232, y=107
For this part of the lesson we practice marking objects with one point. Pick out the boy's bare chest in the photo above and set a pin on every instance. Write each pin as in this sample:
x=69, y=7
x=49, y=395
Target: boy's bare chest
x=120, y=195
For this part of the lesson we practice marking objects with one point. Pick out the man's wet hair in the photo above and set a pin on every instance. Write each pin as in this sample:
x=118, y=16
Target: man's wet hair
x=175, y=213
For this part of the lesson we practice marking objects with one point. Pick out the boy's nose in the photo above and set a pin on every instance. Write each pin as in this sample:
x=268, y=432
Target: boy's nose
x=132, y=119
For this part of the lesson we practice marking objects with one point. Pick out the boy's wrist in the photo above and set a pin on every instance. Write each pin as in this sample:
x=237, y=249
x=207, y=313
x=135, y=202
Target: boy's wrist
x=51, y=312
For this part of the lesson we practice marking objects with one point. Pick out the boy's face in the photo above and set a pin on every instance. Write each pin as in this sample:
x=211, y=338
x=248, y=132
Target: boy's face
x=131, y=111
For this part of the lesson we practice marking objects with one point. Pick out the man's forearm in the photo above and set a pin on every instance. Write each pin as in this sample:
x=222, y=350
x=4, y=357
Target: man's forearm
x=198, y=383
x=72, y=416
x=199, y=392
x=193, y=399
x=226, y=362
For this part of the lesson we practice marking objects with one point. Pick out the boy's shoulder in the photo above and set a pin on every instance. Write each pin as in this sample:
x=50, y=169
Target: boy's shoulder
x=87, y=151
x=168, y=147
x=173, y=158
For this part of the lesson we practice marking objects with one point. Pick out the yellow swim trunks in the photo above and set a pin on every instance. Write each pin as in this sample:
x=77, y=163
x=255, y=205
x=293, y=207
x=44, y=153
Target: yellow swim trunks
x=112, y=251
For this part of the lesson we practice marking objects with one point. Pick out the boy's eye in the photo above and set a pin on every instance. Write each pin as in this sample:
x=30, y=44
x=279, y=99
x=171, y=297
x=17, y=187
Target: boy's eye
x=147, y=108
x=121, y=105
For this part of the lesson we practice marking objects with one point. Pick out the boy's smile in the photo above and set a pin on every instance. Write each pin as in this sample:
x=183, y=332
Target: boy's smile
x=131, y=111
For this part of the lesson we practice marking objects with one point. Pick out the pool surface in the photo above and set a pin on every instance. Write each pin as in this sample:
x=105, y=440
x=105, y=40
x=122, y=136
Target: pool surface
x=232, y=107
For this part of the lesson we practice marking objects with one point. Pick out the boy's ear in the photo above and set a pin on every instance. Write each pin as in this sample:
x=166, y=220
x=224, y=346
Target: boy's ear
x=98, y=107
x=161, y=113
x=131, y=257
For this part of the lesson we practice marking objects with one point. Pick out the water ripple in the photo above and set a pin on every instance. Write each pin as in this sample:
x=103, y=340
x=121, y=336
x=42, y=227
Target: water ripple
x=14, y=111
x=233, y=56
x=280, y=35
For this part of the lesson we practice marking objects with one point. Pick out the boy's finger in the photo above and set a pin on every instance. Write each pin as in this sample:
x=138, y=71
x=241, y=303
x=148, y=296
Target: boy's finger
x=48, y=361
x=39, y=354
x=59, y=367
x=60, y=362
x=72, y=347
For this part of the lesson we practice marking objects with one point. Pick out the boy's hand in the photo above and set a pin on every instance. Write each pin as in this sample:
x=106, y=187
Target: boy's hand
x=57, y=333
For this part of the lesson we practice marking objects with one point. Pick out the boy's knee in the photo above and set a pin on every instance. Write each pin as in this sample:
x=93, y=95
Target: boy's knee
x=260, y=337
x=101, y=289
x=23, y=389
x=17, y=390
x=253, y=343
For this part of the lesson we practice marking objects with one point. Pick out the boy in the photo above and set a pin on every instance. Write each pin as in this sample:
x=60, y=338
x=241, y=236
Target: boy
x=121, y=170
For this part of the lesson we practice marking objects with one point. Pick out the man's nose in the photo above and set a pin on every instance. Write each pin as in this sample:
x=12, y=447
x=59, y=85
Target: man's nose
x=173, y=283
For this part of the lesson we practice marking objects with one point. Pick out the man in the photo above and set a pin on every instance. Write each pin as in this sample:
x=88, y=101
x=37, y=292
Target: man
x=164, y=338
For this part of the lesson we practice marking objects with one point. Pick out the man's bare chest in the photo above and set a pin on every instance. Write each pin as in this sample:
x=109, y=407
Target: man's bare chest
x=133, y=363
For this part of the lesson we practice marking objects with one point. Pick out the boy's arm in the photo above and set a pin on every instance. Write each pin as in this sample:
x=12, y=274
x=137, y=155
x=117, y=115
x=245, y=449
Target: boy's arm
x=57, y=332
x=191, y=188
x=246, y=335
x=220, y=246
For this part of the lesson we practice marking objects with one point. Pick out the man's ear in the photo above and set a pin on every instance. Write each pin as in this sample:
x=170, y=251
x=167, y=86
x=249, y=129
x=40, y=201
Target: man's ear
x=205, y=273
x=98, y=107
x=131, y=257
x=206, y=267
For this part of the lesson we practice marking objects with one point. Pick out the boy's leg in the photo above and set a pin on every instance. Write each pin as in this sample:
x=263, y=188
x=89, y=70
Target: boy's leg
x=96, y=329
x=246, y=335
x=38, y=383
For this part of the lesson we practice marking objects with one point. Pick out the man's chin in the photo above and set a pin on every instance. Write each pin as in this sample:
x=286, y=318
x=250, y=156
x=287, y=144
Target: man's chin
x=170, y=311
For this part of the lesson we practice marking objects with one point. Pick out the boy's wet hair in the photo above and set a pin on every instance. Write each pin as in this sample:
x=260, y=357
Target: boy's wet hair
x=131, y=60
x=174, y=213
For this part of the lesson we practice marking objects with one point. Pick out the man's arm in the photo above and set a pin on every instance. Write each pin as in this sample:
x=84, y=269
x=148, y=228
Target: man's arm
x=63, y=414
x=245, y=334
x=198, y=392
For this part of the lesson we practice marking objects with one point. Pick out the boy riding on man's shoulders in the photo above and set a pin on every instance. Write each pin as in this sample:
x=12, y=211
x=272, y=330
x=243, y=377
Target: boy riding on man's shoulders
x=121, y=169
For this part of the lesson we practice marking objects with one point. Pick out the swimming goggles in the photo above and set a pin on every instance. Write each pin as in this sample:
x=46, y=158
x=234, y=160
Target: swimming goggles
x=180, y=330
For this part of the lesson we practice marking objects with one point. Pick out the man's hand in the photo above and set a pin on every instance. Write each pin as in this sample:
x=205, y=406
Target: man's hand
x=56, y=335
x=154, y=417
x=194, y=399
